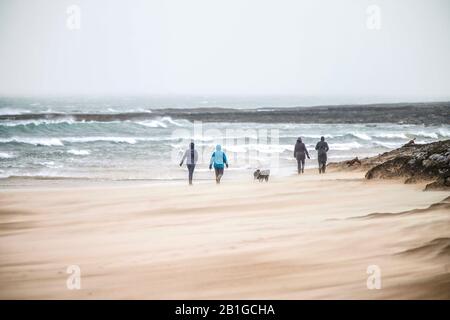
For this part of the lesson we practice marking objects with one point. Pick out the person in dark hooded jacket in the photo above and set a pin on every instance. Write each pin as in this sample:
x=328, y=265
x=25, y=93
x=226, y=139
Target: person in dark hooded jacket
x=322, y=149
x=300, y=152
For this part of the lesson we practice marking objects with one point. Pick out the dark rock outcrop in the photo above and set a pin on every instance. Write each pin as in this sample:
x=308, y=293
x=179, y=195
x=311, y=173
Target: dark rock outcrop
x=413, y=162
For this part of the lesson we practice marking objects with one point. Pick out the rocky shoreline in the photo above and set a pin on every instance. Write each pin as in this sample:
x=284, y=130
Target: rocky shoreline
x=428, y=113
x=412, y=162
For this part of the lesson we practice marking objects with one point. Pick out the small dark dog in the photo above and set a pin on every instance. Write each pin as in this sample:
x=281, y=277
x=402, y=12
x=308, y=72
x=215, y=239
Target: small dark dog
x=261, y=175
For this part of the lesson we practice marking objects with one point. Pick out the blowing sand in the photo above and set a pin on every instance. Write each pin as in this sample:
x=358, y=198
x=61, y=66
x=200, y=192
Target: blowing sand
x=302, y=237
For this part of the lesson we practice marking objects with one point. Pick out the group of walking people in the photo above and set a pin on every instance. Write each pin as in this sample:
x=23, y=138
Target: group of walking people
x=219, y=158
x=218, y=161
x=300, y=153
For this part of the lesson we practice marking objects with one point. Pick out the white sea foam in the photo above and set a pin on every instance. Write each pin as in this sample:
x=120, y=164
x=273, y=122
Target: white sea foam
x=152, y=124
x=361, y=136
x=171, y=121
x=431, y=135
x=444, y=132
x=270, y=148
x=137, y=110
x=235, y=148
x=12, y=111
x=388, y=145
x=46, y=174
x=36, y=122
x=50, y=164
x=317, y=136
x=5, y=155
x=388, y=135
x=33, y=141
x=345, y=146
x=129, y=140
x=60, y=141
x=161, y=122
x=79, y=152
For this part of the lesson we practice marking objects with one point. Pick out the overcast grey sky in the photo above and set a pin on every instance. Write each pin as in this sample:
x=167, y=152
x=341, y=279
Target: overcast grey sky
x=300, y=47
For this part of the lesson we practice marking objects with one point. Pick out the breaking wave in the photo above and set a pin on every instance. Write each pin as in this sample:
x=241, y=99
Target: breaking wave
x=60, y=141
x=5, y=155
x=33, y=141
x=37, y=122
x=345, y=146
x=79, y=152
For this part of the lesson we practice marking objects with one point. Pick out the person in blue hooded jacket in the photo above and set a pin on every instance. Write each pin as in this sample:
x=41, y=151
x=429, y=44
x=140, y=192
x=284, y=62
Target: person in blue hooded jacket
x=218, y=159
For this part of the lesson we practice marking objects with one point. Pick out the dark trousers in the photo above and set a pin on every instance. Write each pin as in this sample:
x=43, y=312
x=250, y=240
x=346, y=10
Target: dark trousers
x=322, y=166
x=300, y=165
x=191, y=168
x=322, y=157
x=219, y=174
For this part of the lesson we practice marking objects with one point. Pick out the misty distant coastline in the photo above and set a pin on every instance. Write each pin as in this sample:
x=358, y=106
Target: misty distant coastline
x=428, y=113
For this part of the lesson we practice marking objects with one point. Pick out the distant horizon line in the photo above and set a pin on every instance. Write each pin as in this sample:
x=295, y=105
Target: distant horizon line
x=217, y=95
x=368, y=99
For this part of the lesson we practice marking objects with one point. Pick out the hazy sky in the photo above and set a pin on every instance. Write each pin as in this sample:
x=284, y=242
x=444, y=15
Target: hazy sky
x=307, y=47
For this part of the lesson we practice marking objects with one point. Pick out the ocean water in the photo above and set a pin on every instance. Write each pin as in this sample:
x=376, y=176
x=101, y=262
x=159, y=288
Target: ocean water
x=151, y=147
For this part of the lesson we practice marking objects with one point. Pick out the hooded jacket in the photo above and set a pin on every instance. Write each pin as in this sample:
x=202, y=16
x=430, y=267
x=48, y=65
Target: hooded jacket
x=300, y=150
x=322, y=149
x=190, y=155
x=218, y=158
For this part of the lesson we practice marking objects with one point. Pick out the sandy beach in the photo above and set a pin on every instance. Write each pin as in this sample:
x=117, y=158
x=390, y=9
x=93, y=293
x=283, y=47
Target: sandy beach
x=299, y=237
x=109, y=110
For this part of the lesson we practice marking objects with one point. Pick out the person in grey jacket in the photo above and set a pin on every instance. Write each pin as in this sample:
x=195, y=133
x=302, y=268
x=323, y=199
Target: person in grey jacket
x=191, y=156
x=300, y=152
x=322, y=149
